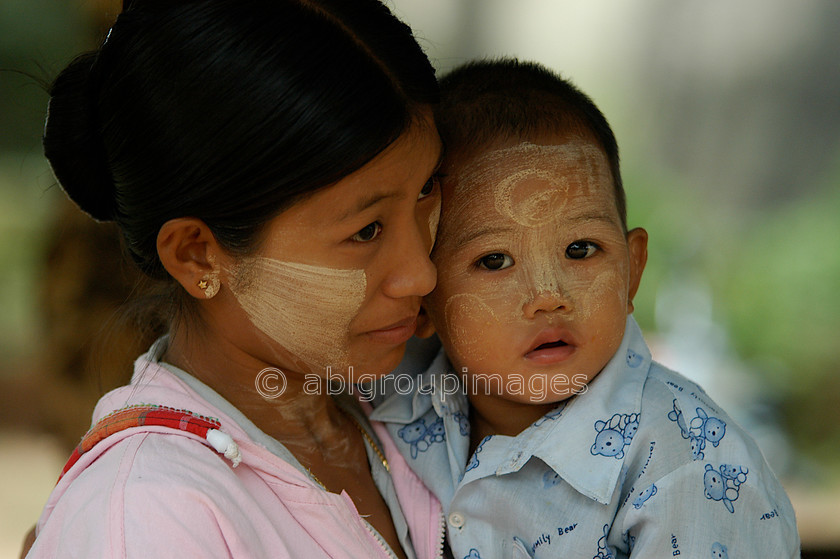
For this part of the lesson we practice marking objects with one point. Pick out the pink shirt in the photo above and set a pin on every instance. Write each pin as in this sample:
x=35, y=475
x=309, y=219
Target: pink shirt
x=156, y=492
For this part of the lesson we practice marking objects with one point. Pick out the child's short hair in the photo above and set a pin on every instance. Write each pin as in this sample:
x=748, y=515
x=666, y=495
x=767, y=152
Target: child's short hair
x=505, y=99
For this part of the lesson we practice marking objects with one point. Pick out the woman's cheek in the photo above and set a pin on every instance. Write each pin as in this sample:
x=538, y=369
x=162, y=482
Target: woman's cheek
x=280, y=298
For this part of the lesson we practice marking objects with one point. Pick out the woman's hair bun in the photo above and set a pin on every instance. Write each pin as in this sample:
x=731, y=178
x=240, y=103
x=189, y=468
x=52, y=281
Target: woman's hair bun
x=73, y=143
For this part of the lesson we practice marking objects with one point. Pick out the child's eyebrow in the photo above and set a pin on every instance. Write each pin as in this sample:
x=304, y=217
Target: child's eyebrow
x=595, y=216
x=481, y=232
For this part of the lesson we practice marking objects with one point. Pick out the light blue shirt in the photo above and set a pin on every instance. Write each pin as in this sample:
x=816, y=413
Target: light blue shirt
x=642, y=464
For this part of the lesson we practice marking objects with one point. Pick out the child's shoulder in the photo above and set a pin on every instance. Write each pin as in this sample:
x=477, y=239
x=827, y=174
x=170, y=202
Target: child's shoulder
x=688, y=449
x=664, y=384
x=678, y=413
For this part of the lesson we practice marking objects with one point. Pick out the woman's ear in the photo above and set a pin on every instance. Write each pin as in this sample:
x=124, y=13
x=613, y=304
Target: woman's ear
x=637, y=240
x=425, y=328
x=188, y=251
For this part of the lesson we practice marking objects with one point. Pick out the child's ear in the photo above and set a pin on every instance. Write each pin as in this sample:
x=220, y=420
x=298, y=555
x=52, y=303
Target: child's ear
x=637, y=240
x=188, y=251
x=425, y=328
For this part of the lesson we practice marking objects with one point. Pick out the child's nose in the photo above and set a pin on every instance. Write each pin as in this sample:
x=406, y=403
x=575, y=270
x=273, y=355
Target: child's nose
x=547, y=301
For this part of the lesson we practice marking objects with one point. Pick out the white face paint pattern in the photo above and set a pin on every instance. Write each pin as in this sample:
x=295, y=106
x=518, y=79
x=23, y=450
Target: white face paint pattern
x=507, y=168
x=306, y=309
x=530, y=201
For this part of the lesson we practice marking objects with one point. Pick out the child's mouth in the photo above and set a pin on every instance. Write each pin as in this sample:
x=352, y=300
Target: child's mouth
x=558, y=343
x=554, y=347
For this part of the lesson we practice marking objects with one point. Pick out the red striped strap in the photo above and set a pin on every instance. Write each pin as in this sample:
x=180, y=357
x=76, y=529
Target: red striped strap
x=153, y=415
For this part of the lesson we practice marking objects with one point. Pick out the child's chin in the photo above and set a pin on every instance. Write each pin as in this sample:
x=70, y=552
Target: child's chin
x=537, y=399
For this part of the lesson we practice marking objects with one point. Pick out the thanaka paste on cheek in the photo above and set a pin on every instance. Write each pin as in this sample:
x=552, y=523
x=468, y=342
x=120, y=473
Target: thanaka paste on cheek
x=305, y=309
x=465, y=315
x=535, y=187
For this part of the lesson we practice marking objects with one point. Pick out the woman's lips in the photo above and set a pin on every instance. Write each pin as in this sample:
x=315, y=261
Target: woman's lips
x=395, y=333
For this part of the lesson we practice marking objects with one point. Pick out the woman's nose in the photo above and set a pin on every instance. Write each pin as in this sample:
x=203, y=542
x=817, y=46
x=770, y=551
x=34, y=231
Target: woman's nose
x=412, y=273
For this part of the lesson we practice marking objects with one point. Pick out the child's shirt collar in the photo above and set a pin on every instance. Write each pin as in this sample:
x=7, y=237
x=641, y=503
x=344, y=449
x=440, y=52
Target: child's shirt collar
x=606, y=413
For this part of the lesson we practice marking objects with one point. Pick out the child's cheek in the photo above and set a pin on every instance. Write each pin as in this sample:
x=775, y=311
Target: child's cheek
x=434, y=221
x=471, y=324
x=604, y=303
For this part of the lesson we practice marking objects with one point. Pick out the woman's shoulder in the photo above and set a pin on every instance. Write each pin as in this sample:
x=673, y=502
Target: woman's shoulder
x=142, y=487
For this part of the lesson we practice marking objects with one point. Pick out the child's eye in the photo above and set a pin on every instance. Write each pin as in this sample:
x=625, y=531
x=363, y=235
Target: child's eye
x=581, y=249
x=495, y=261
x=429, y=187
x=367, y=233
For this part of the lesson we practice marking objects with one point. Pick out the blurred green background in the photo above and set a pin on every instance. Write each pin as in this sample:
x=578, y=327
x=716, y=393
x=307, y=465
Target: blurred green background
x=728, y=119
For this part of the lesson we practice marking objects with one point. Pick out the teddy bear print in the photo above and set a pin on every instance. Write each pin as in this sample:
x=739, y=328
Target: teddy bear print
x=629, y=540
x=724, y=483
x=644, y=496
x=614, y=434
x=473, y=554
x=697, y=446
x=737, y=474
x=700, y=430
x=553, y=414
x=719, y=551
x=417, y=435
x=633, y=359
x=710, y=429
x=436, y=433
x=604, y=551
x=677, y=416
x=473, y=463
x=551, y=478
x=463, y=423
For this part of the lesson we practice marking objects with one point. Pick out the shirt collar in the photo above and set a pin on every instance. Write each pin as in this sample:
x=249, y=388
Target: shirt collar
x=586, y=442
x=435, y=387
x=576, y=440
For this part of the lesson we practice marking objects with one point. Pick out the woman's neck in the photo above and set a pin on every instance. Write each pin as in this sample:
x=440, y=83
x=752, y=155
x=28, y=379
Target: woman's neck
x=296, y=409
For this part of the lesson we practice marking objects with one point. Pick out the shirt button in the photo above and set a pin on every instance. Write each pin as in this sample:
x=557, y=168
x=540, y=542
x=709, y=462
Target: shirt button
x=456, y=520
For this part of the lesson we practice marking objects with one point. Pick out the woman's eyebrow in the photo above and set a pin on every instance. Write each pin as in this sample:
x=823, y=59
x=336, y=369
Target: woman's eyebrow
x=364, y=203
x=374, y=198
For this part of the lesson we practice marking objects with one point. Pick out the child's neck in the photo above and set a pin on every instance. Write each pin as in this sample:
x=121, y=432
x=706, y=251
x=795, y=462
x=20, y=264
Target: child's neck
x=491, y=415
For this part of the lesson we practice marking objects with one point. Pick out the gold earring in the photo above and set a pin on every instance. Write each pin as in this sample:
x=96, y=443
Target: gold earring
x=210, y=282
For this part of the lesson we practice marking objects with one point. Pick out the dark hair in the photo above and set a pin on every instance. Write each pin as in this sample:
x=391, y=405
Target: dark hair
x=490, y=100
x=229, y=111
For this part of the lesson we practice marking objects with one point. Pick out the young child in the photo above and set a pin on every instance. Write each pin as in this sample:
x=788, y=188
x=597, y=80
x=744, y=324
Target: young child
x=574, y=443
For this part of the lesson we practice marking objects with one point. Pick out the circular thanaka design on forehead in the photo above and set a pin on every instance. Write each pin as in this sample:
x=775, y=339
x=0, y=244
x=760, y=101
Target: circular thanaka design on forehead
x=532, y=183
x=306, y=309
x=529, y=202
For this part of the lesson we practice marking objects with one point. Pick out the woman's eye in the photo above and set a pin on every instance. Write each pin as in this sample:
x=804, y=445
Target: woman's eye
x=429, y=187
x=496, y=261
x=579, y=250
x=367, y=233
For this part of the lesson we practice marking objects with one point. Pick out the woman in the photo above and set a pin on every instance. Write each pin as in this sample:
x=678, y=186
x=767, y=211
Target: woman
x=271, y=162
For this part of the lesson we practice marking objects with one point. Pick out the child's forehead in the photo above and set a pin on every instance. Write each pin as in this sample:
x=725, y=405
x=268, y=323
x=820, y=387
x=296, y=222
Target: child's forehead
x=519, y=175
x=549, y=153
